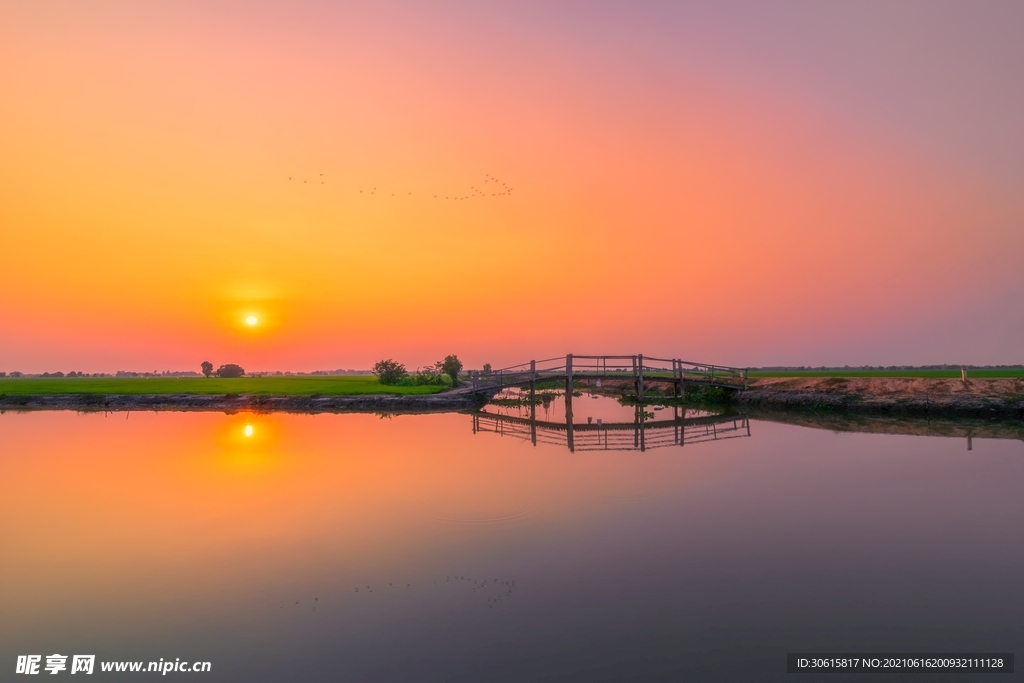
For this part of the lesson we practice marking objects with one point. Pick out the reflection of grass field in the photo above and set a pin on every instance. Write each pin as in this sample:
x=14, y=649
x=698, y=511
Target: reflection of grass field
x=933, y=374
x=275, y=386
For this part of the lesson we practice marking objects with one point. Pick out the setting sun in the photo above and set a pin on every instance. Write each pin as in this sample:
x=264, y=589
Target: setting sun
x=251, y=320
x=248, y=430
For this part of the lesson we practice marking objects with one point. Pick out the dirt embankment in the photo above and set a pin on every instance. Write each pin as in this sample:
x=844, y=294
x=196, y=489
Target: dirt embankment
x=888, y=395
x=234, y=403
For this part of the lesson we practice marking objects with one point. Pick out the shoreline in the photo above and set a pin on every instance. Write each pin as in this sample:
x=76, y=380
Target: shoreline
x=235, y=403
x=818, y=396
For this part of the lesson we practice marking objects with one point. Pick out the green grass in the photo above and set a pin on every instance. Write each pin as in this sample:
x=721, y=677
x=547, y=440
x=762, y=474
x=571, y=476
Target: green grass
x=934, y=374
x=274, y=386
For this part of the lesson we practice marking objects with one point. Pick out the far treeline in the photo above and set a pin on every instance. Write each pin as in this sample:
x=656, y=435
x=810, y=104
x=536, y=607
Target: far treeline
x=909, y=371
x=445, y=373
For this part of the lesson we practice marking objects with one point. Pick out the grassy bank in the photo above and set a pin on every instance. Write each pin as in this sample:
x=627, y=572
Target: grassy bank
x=271, y=386
x=980, y=373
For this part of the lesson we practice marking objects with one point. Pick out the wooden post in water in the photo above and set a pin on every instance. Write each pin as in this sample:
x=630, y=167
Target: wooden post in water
x=568, y=402
x=636, y=381
x=533, y=420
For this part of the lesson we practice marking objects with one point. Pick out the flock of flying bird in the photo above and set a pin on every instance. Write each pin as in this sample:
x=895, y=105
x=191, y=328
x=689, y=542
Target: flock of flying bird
x=500, y=590
x=492, y=187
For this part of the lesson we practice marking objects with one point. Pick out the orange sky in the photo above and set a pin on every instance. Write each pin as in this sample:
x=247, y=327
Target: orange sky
x=800, y=186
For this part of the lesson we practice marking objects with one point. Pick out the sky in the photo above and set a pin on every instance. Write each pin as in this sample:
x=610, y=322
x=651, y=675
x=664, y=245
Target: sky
x=741, y=183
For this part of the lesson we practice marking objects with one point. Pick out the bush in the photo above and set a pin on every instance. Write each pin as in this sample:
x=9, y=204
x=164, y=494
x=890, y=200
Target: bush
x=389, y=371
x=230, y=370
x=426, y=377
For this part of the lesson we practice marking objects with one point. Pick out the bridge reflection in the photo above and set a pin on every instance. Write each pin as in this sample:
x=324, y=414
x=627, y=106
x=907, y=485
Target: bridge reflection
x=642, y=434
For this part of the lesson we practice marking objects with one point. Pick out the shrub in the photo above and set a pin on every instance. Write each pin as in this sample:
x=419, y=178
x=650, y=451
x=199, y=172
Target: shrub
x=389, y=371
x=426, y=377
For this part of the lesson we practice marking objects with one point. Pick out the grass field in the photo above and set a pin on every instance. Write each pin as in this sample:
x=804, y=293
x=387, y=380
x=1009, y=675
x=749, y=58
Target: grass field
x=274, y=386
x=933, y=374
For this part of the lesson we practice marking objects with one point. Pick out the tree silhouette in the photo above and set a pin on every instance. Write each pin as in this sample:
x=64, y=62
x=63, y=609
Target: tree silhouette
x=451, y=366
x=207, y=367
x=230, y=370
x=389, y=371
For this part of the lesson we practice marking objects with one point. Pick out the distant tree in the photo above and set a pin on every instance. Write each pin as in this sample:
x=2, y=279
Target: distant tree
x=389, y=371
x=451, y=366
x=207, y=367
x=487, y=368
x=230, y=370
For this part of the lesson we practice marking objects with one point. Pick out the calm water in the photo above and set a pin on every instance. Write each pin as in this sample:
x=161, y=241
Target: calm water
x=356, y=548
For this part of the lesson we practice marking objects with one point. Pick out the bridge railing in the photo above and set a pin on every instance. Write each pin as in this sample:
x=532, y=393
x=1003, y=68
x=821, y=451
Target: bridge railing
x=615, y=437
x=637, y=368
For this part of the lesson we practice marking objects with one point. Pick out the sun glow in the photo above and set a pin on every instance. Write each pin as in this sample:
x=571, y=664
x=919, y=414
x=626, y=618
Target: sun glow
x=251, y=320
x=248, y=430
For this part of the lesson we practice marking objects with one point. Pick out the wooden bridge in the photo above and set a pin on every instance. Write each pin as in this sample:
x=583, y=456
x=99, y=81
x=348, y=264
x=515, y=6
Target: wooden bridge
x=639, y=370
x=639, y=435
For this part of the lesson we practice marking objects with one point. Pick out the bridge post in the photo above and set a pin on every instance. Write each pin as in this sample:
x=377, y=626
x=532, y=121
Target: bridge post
x=640, y=382
x=568, y=374
x=533, y=379
x=636, y=384
x=675, y=379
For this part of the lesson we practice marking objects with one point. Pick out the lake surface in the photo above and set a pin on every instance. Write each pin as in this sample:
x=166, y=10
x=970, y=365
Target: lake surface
x=425, y=547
